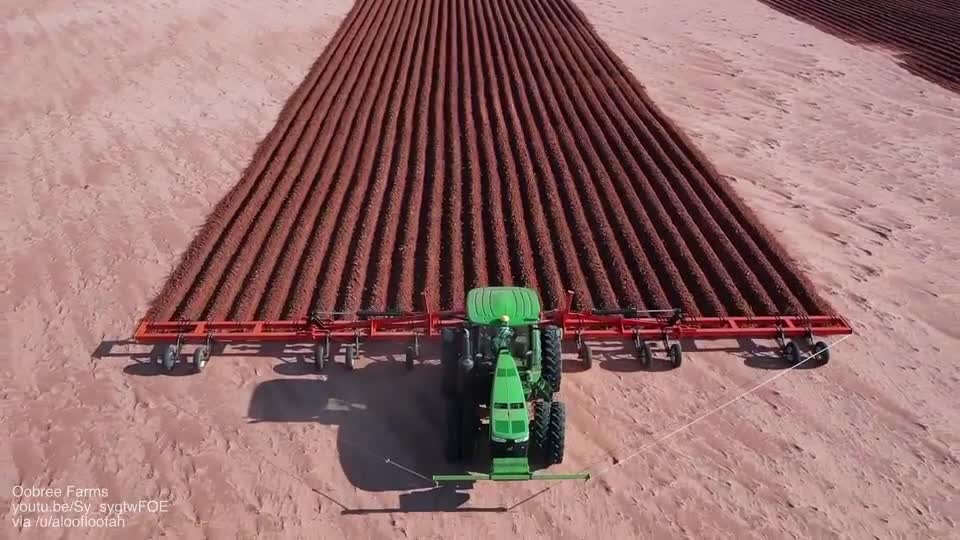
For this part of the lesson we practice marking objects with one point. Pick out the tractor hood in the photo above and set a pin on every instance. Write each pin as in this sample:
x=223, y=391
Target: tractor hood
x=509, y=420
x=512, y=306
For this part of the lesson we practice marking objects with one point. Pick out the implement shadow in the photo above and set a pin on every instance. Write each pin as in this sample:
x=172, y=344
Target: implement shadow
x=754, y=355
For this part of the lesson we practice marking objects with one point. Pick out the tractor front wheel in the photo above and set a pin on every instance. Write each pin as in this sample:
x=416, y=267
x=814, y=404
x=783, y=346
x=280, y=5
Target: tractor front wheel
x=556, y=433
x=551, y=365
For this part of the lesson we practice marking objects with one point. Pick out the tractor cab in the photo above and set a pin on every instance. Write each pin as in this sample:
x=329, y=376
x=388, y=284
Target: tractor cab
x=504, y=318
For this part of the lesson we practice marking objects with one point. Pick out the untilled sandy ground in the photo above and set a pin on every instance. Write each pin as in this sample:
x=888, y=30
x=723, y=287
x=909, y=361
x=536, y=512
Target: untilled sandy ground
x=123, y=127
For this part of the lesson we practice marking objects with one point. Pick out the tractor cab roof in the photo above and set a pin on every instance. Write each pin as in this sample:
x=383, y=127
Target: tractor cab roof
x=498, y=306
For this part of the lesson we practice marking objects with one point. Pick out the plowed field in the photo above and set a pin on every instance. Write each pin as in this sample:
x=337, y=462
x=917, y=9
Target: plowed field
x=440, y=145
x=925, y=34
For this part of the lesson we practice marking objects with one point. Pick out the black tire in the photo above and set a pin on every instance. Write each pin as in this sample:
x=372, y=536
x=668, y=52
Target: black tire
x=454, y=450
x=791, y=352
x=551, y=361
x=169, y=358
x=200, y=358
x=645, y=355
x=351, y=356
x=539, y=429
x=319, y=357
x=821, y=352
x=449, y=359
x=587, y=356
x=676, y=355
x=464, y=378
x=556, y=433
x=468, y=431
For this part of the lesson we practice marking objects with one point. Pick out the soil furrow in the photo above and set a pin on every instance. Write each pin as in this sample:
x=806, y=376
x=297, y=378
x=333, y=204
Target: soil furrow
x=520, y=218
x=177, y=292
x=345, y=182
x=384, y=271
x=364, y=148
x=437, y=146
x=338, y=127
x=361, y=246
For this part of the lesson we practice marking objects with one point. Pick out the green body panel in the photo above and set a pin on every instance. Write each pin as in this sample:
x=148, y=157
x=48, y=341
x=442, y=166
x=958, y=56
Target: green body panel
x=473, y=477
x=510, y=466
x=509, y=419
x=487, y=305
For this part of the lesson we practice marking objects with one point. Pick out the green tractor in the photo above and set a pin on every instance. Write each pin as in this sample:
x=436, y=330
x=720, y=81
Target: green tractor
x=501, y=370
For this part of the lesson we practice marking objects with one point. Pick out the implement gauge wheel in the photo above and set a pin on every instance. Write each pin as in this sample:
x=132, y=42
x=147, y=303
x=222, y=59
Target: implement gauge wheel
x=645, y=355
x=821, y=352
x=169, y=358
x=410, y=357
x=586, y=355
x=351, y=356
x=200, y=358
x=791, y=352
x=320, y=356
x=675, y=355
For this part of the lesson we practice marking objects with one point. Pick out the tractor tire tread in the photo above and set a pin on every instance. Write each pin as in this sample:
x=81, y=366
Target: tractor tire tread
x=551, y=366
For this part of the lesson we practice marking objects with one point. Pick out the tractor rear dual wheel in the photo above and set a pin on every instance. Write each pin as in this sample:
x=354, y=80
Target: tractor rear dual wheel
x=539, y=425
x=462, y=426
x=548, y=432
x=551, y=361
x=449, y=360
x=556, y=433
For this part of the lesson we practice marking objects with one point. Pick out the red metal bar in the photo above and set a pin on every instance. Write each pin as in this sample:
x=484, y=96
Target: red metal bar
x=428, y=325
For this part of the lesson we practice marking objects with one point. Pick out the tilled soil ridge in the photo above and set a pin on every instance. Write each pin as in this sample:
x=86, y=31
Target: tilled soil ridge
x=439, y=145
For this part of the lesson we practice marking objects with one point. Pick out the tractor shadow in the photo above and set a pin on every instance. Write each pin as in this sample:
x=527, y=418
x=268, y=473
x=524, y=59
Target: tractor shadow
x=391, y=423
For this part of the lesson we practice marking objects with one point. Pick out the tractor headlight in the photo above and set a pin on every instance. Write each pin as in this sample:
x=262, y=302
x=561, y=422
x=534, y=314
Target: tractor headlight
x=497, y=439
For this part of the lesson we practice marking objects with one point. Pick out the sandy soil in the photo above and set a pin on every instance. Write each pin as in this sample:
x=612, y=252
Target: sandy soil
x=124, y=126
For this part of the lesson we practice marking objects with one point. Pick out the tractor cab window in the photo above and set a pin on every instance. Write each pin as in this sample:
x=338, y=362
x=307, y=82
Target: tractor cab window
x=521, y=341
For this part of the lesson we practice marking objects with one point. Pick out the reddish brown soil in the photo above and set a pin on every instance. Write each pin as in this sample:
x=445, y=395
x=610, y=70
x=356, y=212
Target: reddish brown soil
x=925, y=34
x=437, y=146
